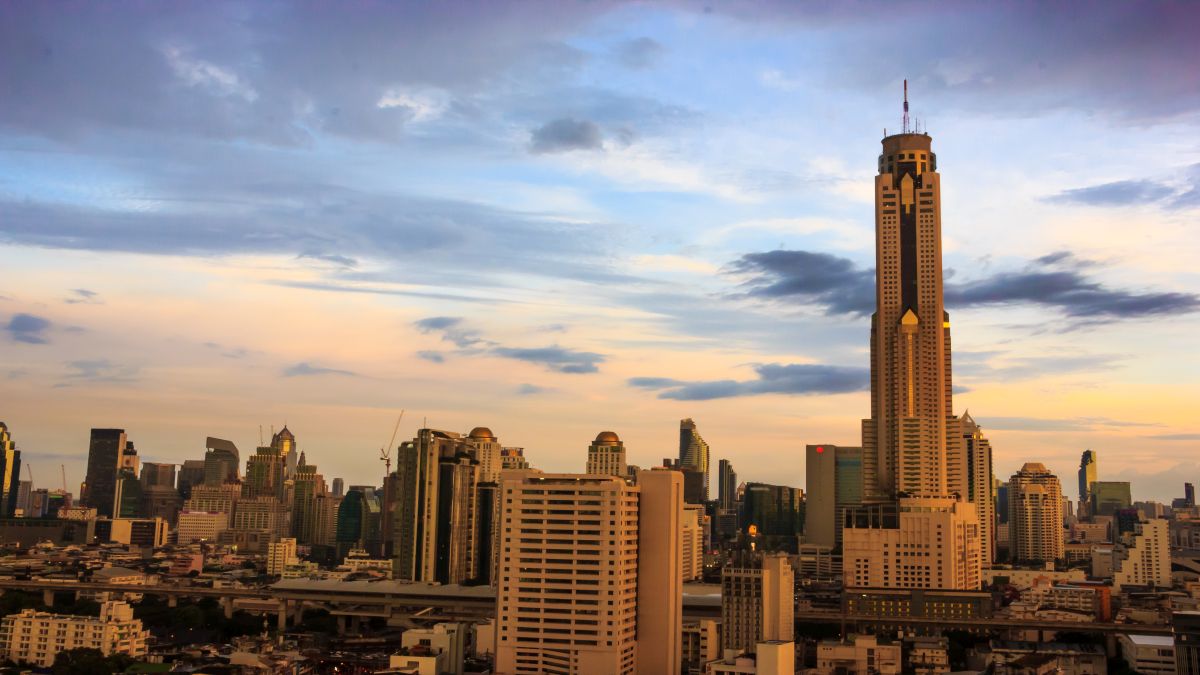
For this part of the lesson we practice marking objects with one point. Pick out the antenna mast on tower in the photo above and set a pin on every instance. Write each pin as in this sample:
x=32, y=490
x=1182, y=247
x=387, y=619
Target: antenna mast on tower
x=905, y=106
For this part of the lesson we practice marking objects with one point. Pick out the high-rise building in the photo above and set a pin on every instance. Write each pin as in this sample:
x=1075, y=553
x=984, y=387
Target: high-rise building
x=693, y=452
x=127, y=500
x=513, y=458
x=693, y=542
x=1087, y=477
x=488, y=453
x=912, y=432
x=833, y=484
x=284, y=444
x=757, y=601
x=221, y=461
x=1143, y=557
x=160, y=499
x=774, y=515
x=10, y=473
x=104, y=461
x=265, y=471
x=606, y=455
x=1189, y=494
x=973, y=480
x=602, y=596
x=726, y=484
x=358, y=521
x=1035, y=515
x=190, y=473
x=1110, y=496
x=25, y=497
x=308, y=485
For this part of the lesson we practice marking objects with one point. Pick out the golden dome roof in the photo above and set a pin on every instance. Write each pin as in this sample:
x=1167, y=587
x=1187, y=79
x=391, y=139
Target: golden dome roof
x=482, y=433
x=607, y=437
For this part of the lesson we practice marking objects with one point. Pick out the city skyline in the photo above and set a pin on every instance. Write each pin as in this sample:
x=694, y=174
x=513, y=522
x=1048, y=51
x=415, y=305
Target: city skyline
x=731, y=265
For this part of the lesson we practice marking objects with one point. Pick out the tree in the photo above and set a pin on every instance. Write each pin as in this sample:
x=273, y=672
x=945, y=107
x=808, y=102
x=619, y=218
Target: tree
x=89, y=662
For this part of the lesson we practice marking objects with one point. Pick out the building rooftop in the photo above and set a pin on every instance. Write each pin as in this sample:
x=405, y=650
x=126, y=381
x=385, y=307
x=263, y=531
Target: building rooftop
x=1152, y=640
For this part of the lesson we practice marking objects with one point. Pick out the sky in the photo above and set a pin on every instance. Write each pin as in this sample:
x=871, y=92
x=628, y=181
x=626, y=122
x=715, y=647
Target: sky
x=558, y=218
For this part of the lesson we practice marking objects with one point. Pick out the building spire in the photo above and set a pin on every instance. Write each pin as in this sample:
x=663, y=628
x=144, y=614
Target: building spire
x=905, y=129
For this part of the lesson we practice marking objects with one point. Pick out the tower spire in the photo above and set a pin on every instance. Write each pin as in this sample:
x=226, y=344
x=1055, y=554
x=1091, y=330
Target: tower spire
x=905, y=130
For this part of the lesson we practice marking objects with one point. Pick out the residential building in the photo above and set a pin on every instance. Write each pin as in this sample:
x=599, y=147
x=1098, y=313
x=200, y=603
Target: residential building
x=513, y=458
x=915, y=543
x=692, y=557
x=1148, y=654
x=757, y=600
x=701, y=643
x=595, y=588
x=1035, y=515
x=606, y=455
x=972, y=480
x=1144, y=556
x=280, y=554
x=37, y=637
x=859, y=655
x=693, y=453
x=446, y=640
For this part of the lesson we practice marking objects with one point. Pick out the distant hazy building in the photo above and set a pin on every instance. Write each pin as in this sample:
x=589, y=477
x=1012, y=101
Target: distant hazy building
x=104, y=461
x=973, y=481
x=1087, y=477
x=127, y=498
x=221, y=461
x=606, y=455
x=10, y=473
x=1035, y=515
x=834, y=484
x=891, y=546
x=160, y=499
x=606, y=598
x=757, y=601
x=191, y=473
x=338, y=488
x=1108, y=497
x=195, y=526
x=693, y=452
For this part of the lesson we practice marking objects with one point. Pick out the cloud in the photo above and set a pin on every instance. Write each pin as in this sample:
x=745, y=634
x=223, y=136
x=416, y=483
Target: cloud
x=1119, y=193
x=101, y=370
x=527, y=389
x=773, y=378
x=340, y=260
x=28, y=328
x=994, y=366
x=558, y=359
x=431, y=356
x=305, y=368
x=1056, y=281
x=82, y=296
x=640, y=53
x=1058, y=424
x=1175, y=437
x=451, y=330
x=834, y=283
x=565, y=134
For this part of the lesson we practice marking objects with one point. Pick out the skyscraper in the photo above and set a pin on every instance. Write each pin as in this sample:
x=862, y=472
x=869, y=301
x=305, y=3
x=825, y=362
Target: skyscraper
x=1087, y=476
x=693, y=452
x=1189, y=494
x=1110, y=496
x=104, y=461
x=602, y=597
x=221, y=461
x=834, y=484
x=757, y=601
x=726, y=484
x=284, y=444
x=1035, y=523
x=606, y=455
x=339, y=487
x=973, y=454
x=308, y=487
x=907, y=439
x=10, y=472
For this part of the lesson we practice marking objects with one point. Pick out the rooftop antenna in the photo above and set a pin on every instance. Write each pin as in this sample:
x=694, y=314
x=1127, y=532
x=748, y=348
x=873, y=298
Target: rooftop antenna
x=260, y=436
x=905, y=106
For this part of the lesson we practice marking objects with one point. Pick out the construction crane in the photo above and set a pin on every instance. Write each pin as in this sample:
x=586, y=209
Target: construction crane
x=385, y=453
x=29, y=470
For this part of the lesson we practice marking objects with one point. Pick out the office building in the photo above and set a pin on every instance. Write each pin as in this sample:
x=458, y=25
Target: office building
x=599, y=593
x=757, y=601
x=338, y=487
x=972, y=480
x=284, y=445
x=1108, y=497
x=196, y=526
x=358, y=522
x=693, y=454
x=1035, y=520
x=773, y=516
x=265, y=471
x=160, y=499
x=1087, y=477
x=38, y=637
x=221, y=461
x=606, y=456
x=726, y=485
x=24, y=498
x=834, y=484
x=1189, y=495
x=915, y=543
x=262, y=514
x=307, y=487
x=104, y=462
x=10, y=473
x=191, y=473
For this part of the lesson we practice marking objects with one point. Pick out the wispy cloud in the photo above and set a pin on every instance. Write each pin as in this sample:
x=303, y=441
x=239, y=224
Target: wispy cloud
x=639, y=53
x=81, y=296
x=469, y=342
x=101, y=370
x=773, y=378
x=564, y=135
x=1050, y=424
x=304, y=369
x=559, y=359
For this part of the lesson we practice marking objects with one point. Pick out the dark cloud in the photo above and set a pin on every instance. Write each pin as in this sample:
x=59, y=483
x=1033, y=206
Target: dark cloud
x=28, y=328
x=305, y=368
x=1055, y=281
x=451, y=330
x=1119, y=193
x=431, y=356
x=639, y=53
x=834, y=283
x=558, y=359
x=773, y=378
x=565, y=134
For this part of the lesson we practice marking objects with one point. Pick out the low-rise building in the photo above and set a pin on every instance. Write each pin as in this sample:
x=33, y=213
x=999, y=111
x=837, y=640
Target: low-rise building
x=1148, y=654
x=1012, y=657
x=38, y=637
x=701, y=644
x=444, y=641
x=927, y=655
x=197, y=526
x=860, y=655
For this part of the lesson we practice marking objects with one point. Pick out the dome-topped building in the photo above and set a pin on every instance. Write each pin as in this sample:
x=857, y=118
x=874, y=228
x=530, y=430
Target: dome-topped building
x=607, y=438
x=482, y=433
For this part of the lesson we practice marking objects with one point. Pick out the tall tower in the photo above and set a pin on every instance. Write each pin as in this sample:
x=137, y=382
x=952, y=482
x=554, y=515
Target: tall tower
x=104, y=461
x=1087, y=478
x=904, y=441
x=10, y=472
x=693, y=452
x=606, y=456
x=1035, y=514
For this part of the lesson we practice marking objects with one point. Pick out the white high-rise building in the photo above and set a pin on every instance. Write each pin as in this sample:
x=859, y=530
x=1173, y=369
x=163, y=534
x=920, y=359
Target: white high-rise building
x=606, y=456
x=1035, y=522
x=1144, y=558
